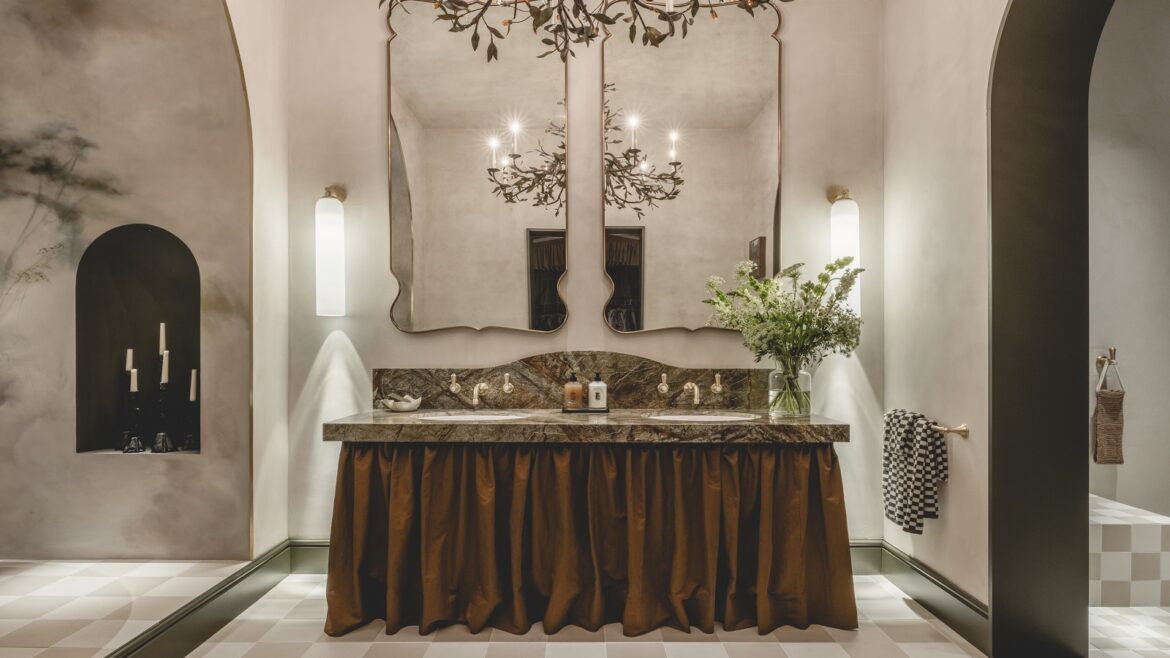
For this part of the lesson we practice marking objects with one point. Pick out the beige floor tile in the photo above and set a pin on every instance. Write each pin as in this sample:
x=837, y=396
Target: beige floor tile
x=516, y=650
x=294, y=630
x=694, y=650
x=23, y=585
x=810, y=634
x=398, y=650
x=67, y=652
x=103, y=633
x=149, y=608
x=308, y=609
x=911, y=631
x=88, y=607
x=32, y=607
x=754, y=650
x=19, y=653
x=41, y=633
x=338, y=650
x=814, y=650
x=456, y=650
x=73, y=586
x=129, y=586
x=279, y=650
x=574, y=650
x=635, y=650
x=243, y=630
x=616, y=633
x=184, y=586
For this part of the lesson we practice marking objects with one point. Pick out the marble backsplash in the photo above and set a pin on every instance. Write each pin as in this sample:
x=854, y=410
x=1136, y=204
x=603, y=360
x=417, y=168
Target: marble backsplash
x=539, y=383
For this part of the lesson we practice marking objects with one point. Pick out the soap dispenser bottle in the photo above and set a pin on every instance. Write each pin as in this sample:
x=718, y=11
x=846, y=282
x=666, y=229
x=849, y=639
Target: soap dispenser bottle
x=574, y=393
x=598, y=393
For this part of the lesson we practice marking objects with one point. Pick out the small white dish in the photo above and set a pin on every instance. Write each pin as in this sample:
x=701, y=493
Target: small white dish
x=409, y=404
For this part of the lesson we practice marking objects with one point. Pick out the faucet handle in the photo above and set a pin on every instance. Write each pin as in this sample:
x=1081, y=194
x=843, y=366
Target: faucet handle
x=454, y=387
x=717, y=387
x=663, y=387
x=508, y=386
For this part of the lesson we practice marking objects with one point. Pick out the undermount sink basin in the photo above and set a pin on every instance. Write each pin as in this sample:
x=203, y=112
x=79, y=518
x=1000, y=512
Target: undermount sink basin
x=470, y=417
x=703, y=418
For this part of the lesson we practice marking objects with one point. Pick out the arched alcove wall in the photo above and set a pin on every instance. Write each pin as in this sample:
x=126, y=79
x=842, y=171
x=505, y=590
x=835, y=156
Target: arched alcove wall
x=129, y=280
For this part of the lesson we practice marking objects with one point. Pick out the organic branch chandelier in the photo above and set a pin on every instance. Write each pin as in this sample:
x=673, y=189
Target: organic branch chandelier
x=561, y=23
x=631, y=181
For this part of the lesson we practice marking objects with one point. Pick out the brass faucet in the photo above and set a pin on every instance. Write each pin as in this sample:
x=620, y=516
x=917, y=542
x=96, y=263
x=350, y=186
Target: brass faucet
x=481, y=387
x=691, y=387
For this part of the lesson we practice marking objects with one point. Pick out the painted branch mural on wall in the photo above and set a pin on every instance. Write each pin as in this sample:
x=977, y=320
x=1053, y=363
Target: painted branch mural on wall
x=115, y=113
x=44, y=178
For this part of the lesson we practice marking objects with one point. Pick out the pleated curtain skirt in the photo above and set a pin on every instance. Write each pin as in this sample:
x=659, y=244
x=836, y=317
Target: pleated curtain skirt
x=507, y=535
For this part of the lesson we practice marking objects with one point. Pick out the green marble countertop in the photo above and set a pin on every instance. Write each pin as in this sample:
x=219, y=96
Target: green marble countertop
x=553, y=426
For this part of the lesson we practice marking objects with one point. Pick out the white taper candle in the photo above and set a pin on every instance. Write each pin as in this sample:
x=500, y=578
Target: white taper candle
x=165, y=377
x=194, y=379
x=134, y=380
x=129, y=359
x=162, y=337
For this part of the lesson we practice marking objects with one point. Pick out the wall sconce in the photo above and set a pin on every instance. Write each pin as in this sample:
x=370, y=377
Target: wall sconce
x=845, y=235
x=330, y=237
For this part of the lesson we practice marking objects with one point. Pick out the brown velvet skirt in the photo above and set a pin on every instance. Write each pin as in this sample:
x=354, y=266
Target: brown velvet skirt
x=505, y=535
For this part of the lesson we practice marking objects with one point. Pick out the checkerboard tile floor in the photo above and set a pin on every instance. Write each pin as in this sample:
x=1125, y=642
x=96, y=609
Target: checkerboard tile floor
x=81, y=609
x=287, y=623
x=1129, y=632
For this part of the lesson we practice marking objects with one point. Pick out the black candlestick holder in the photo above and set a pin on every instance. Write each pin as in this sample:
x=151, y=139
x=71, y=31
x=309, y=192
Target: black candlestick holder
x=131, y=436
x=162, y=437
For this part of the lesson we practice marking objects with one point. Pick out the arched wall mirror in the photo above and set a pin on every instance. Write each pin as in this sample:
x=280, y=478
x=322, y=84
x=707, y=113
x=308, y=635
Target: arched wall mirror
x=477, y=167
x=692, y=166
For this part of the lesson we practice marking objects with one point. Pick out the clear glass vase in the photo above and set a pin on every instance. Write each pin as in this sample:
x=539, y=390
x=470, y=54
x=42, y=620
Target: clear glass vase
x=789, y=391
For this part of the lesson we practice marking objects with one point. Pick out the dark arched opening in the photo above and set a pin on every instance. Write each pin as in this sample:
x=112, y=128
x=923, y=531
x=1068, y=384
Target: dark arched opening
x=131, y=279
x=1039, y=325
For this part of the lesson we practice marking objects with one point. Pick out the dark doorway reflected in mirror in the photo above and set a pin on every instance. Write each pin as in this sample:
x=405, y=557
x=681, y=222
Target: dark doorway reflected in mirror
x=623, y=264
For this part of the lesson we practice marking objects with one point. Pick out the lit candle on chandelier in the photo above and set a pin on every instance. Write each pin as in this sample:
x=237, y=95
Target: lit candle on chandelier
x=494, y=144
x=669, y=5
x=514, y=126
x=632, y=123
x=674, y=146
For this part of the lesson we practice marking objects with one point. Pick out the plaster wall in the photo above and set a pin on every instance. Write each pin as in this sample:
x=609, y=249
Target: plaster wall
x=937, y=64
x=260, y=28
x=157, y=88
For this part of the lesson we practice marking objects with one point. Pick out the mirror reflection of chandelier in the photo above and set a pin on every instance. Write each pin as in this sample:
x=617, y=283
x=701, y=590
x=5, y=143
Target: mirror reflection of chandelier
x=631, y=179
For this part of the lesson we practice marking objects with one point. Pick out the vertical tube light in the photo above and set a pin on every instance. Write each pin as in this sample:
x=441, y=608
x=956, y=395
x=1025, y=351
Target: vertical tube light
x=845, y=236
x=330, y=212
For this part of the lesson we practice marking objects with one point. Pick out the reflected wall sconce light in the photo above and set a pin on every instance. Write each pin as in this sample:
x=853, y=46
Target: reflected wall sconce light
x=845, y=235
x=330, y=243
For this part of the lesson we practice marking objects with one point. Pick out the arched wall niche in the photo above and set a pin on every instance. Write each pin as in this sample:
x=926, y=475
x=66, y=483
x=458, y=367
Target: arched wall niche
x=129, y=280
x=1039, y=294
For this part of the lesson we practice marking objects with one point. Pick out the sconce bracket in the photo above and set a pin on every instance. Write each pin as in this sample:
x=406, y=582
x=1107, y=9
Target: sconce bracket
x=337, y=191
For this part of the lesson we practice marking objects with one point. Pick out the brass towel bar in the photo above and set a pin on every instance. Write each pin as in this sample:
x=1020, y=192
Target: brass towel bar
x=961, y=430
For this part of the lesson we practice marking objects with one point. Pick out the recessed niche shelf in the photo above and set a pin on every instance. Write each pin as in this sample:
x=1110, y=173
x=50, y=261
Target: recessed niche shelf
x=129, y=280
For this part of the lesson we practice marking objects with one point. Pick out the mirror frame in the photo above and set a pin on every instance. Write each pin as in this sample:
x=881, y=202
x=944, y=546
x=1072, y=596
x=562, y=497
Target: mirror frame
x=776, y=212
x=389, y=209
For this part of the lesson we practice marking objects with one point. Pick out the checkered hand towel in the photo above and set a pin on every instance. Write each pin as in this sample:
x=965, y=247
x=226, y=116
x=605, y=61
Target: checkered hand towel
x=914, y=462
